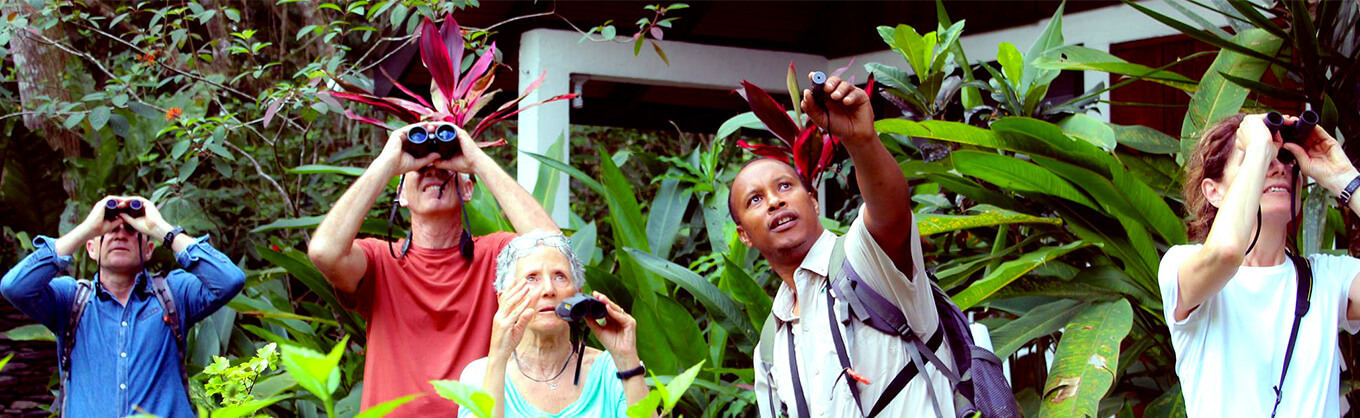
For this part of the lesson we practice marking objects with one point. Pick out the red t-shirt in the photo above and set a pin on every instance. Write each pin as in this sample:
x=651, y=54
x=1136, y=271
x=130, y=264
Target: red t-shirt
x=429, y=314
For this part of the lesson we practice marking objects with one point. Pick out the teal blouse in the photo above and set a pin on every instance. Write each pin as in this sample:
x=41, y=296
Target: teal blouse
x=601, y=393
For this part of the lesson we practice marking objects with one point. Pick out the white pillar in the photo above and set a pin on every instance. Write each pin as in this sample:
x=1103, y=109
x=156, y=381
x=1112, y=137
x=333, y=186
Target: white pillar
x=541, y=126
x=1091, y=79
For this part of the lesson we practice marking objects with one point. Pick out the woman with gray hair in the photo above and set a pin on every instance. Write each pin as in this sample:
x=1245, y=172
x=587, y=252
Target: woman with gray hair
x=531, y=347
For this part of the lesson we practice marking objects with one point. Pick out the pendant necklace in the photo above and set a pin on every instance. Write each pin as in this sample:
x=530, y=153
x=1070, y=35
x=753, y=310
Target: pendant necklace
x=552, y=381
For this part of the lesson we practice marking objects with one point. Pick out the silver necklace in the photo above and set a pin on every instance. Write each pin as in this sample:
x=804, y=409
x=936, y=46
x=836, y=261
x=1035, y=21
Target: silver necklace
x=552, y=381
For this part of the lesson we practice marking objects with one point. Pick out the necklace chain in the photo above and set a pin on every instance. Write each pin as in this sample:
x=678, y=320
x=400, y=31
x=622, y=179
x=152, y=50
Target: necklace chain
x=550, y=381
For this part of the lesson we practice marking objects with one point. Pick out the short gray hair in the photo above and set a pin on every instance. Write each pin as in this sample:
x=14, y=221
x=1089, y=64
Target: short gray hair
x=525, y=244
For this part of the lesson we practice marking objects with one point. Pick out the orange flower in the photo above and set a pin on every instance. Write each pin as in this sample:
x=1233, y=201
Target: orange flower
x=173, y=113
x=149, y=58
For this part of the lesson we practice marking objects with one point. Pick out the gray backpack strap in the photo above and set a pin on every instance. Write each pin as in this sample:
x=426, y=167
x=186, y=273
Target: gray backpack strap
x=161, y=289
x=766, y=346
x=84, y=289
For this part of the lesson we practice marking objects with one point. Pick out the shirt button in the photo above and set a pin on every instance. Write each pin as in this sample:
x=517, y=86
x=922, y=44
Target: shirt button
x=122, y=386
x=124, y=354
x=125, y=323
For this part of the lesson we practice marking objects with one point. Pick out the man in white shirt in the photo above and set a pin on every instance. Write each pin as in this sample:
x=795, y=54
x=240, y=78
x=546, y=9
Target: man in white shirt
x=777, y=214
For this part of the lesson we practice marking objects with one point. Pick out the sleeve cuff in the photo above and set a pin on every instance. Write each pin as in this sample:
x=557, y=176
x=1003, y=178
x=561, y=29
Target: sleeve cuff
x=46, y=252
x=196, y=251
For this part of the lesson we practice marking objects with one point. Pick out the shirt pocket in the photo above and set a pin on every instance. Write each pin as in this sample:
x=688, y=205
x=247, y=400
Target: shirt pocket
x=151, y=314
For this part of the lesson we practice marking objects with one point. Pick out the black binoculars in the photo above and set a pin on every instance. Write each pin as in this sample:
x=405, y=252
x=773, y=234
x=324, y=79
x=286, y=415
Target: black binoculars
x=580, y=306
x=1296, y=133
x=111, y=209
x=420, y=142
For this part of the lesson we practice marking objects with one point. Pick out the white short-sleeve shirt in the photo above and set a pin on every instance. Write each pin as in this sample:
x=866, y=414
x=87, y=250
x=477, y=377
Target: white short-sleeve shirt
x=877, y=356
x=1230, y=350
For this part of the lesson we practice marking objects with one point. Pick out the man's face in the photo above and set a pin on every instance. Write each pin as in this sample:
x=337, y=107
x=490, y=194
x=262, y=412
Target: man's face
x=774, y=213
x=421, y=191
x=117, y=250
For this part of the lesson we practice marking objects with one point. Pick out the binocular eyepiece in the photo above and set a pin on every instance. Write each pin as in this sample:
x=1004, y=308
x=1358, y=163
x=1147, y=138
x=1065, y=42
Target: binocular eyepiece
x=420, y=142
x=1295, y=134
x=111, y=209
x=580, y=306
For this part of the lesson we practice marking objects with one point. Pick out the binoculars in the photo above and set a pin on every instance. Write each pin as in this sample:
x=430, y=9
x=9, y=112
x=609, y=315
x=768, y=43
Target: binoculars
x=1296, y=133
x=580, y=306
x=134, y=209
x=420, y=142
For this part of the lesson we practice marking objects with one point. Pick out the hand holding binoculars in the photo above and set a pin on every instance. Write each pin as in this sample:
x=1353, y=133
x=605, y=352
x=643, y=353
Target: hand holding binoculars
x=580, y=306
x=1296, y=133
x=114, y=207
x=420, y=142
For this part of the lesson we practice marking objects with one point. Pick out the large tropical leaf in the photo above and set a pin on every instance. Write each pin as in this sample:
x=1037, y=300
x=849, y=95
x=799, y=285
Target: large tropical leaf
x=930, y=223
x=770, y=113
x=666, y=213
x=1083, y=368
x=1014, y=174
x=1216, y=97
x=1042, y=320
x=1009, y=272
x=719, y=306
x=1080, y=58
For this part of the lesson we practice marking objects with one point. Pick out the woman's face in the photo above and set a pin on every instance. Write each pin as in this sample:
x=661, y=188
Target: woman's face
x=1275, y=190
x=548, y=272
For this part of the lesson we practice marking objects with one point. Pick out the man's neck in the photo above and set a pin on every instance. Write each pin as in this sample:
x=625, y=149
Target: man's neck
x=119, y=284
x=436, y=232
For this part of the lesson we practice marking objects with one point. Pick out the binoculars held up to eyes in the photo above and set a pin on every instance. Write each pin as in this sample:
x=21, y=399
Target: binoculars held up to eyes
x=580, y=306
x=112, y=209
x=1296, y=133
x=420, y=142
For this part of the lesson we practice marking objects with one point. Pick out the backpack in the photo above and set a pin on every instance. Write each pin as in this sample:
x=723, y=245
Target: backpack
x=979, y=387
x=84, y=290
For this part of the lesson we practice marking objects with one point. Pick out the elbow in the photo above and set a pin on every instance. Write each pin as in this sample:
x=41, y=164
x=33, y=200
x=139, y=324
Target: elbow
x=7, y=288
x=322, y=253
x=1225, y=254
x=236, y=280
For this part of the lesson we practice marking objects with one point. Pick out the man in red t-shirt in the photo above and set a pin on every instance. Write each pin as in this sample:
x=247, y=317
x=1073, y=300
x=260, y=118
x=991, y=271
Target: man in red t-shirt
x=428, y=306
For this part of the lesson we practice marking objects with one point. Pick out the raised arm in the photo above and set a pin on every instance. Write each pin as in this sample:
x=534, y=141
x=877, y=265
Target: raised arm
x=1205, y=272
x=333, y=249
x=215, y=278
x=887, y=197
x=29, y=285
x=1322, y=159
x=525, y=213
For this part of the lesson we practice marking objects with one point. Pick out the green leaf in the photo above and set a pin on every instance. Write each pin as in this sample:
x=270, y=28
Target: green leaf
x=930, y=223
x=1089, y=129
x=912, y=47
x=1170, y=405
x=608, y=32
x=1014, y=174
x=667, y=212
x=1009, y=272
x=382, y=409
x=719, y=306
x=73, y=120
x=1080, y=58
x=1040, y=321
x=327, y=169
x=99, y=117
x=645, y=408
x=318, y=373
x=247, y=409
x=187, y=169
x=584, y=178
x=466, y=396
x=300, y=267
x=32, y=332
x=738, y=283
x=680, y=384
x=1216, y=97
x=795, y=94
x=1083, y=368
x=1145, y=139
x=1051, y=37
x=1012, y=64
x=5, y=361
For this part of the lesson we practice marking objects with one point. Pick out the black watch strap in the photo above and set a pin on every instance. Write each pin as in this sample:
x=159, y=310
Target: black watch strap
x=627, y=374
x=170, y=236
x=1345, y=197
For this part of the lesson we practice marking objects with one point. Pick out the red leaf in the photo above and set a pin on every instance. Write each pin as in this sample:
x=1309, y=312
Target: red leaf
x=476, y=107
x=383, y=103
x=495, y=143
x=769, y=151
x=770, y=113
x=841, y=70
x=656, y=32
x=473, y=102
x=501, y=114
x=452, y=35
x=269, y=111
x=806, y=151
x=435, y=55
x=403, y=88
x=480, y=67
x=366, y=119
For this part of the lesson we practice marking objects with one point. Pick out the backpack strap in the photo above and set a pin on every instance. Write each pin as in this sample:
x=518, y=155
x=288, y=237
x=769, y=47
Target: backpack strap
x=84, y=289
x=161, y=289
x=766, y=347
x=1301, y=305
x=836, y=270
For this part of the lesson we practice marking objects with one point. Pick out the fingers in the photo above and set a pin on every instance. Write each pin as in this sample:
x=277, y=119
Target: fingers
x=1300, y=154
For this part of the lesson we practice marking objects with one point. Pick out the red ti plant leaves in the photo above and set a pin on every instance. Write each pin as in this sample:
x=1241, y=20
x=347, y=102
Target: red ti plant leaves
x=771, y=151
x=770, y=113
x=384, y=103
x=403, y=88
x=435, y=54
x=478, y=68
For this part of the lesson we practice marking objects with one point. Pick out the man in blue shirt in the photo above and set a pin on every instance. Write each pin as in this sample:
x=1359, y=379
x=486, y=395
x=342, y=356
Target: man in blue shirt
x=125, y=356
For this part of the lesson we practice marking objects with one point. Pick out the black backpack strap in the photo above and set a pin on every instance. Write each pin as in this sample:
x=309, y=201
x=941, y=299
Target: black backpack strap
x=1301, y=305
x=799, y=398
x=766, y=347
x=836, y=270
x=84, y=290
x=161, y=289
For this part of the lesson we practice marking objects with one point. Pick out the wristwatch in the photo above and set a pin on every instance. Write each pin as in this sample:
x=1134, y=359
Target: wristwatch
x=170, y=236
x=1345, y=197
x=637, y=371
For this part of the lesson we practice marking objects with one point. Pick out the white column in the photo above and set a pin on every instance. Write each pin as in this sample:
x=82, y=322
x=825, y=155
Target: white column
x=542, y=125
x=1091, y=79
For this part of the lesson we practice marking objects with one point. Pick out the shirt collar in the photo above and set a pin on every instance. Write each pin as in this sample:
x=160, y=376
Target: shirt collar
x=815, y=262
x=139, y=286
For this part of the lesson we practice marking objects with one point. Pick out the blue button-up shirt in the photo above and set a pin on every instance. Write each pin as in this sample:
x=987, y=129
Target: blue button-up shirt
x=125, y=355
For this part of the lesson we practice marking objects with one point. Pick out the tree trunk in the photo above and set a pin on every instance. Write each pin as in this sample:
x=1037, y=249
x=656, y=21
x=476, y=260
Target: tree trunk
x=39, y=69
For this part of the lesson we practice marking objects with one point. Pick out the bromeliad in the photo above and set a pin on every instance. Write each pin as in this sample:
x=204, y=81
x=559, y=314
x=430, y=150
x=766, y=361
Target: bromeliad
x=457, y=98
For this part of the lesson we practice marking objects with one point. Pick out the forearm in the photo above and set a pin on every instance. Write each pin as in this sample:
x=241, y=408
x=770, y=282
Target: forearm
x=634, y=388
x=336, y=233
x=493, y=383
x=525, y=213
x=887, y=198
x=28, y=285
x=71, y=242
